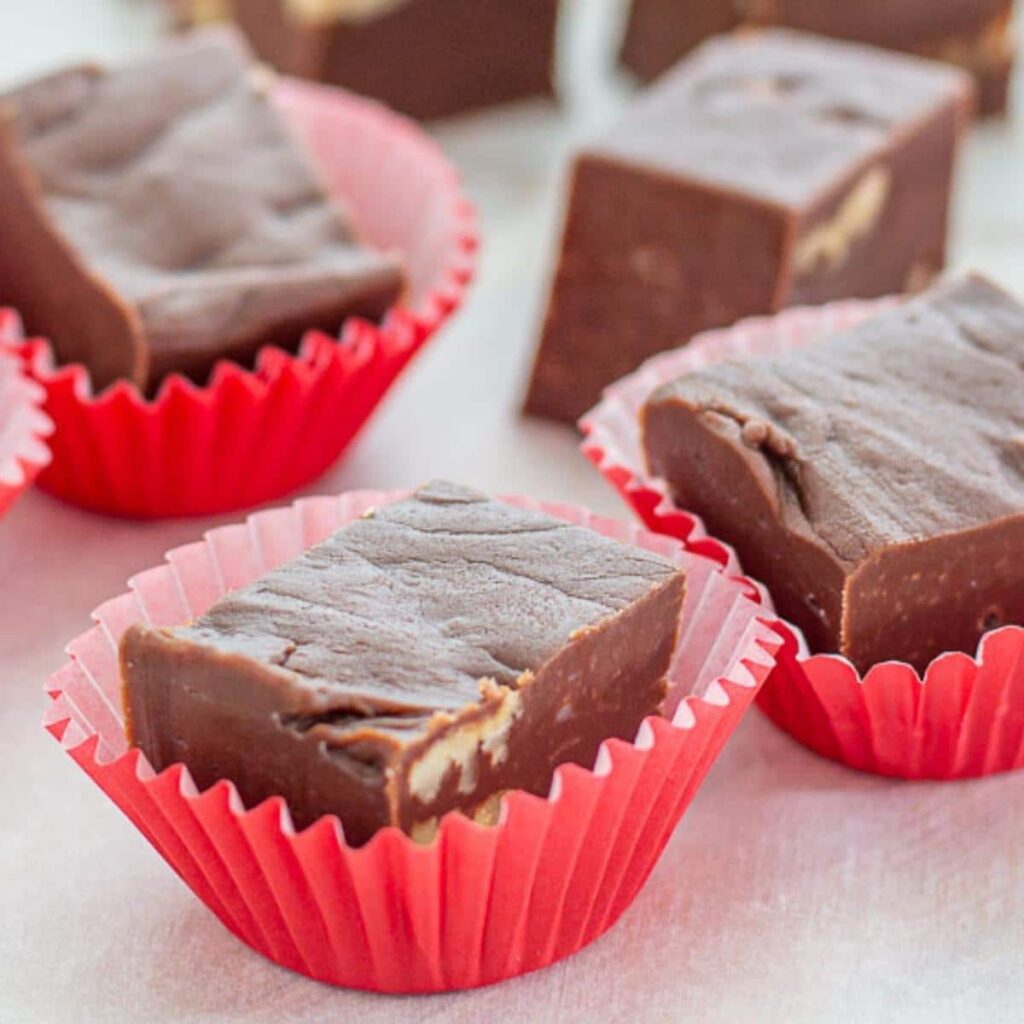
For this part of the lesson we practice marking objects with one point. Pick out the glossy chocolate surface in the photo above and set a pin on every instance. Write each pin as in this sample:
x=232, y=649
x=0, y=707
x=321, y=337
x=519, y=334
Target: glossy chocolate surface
x=182, y=219
x=424, y=658
x=875, y=480
x=766, y=170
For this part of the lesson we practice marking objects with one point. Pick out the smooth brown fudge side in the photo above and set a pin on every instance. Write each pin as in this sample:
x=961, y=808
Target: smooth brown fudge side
x=973, y=34
x=428, y=58
x=873, y=481
x=659, y=33
x=180, y=218
x=767, y=170
x=426, y=658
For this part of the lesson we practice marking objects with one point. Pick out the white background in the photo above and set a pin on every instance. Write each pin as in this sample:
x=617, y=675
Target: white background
x=795, y=891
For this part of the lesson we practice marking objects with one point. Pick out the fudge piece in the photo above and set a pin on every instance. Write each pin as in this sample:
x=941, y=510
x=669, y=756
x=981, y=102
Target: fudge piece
x=423, y=659
x=768, y=169
x=875, y=480
x=180, y=219
x=659, y=33
x=973, y=34
x=428, y=58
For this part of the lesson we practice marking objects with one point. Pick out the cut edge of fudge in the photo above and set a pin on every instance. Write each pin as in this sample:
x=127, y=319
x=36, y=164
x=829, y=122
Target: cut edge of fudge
x=56, y=259
x=408, y=764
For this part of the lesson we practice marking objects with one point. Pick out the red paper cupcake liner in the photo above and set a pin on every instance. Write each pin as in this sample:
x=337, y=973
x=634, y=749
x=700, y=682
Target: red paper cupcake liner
x=23, y=424
x=250, y=436
x=477, y=904
x=964, y=718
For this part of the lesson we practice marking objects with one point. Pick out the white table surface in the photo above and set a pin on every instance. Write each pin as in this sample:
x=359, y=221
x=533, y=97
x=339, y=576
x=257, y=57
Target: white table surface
x=795, y=891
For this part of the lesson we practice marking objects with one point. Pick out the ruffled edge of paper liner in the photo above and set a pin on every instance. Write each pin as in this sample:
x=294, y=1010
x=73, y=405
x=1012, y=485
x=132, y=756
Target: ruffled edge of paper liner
x=963, y=718
x=477, y=904
x=24, y=427
x=249, y=436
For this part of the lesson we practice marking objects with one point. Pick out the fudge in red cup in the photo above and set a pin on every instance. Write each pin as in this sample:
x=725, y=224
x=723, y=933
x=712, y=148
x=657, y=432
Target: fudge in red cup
x=533, y=876
x=245, y=266
x=922, y=563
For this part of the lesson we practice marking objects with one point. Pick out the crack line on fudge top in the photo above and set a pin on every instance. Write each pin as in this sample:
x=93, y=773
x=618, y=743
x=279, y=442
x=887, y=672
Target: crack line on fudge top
x=86, y=177
x=787, y=145
x=364, y=739
x=352, y=704
x=902, y=428
x=240, y=606
x=415, y=634
x=89, y=185
x=779, y=450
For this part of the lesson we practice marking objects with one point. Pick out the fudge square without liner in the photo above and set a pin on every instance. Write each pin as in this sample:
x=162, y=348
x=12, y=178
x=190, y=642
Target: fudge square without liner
x=976, y=35
x=874, y=480
x=425, y=658
x=769, y=169
x=159, y=216
x=427, y=58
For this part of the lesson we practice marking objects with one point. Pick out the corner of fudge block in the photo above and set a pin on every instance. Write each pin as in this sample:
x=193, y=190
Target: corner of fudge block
x=91, y=323
x=882, y=227
x=911, y=602
x=229, y=716
x=647, y=259
x=732, y=472
x=607, y=678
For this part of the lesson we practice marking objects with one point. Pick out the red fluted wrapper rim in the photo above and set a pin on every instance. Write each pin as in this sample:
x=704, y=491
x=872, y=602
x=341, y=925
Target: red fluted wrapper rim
x=248, y=436
x=475, y=905
x=24, y=427
x=963, y=717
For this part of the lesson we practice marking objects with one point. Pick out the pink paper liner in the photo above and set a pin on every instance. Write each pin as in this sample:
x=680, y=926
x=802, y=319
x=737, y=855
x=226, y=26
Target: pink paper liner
x=964, y=718
x=24, y=426
x=477, y=904
x=250, y=436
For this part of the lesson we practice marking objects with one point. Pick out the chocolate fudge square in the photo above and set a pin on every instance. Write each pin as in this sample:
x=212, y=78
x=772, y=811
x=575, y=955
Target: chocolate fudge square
x=159, y=217
x=768, y=170
x=427, y=58
x=875, y=480
x=973, y=34
x=425, y=658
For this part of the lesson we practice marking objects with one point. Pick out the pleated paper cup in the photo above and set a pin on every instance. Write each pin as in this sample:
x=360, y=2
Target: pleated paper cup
x=249, y=436
x=964, y=717
x=24, y=427
x=475, y=905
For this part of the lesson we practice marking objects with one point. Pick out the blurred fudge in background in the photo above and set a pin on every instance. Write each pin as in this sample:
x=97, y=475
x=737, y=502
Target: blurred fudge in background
x=974, y=34
x=769, y=169
x=183, y=221
x=427, y=58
